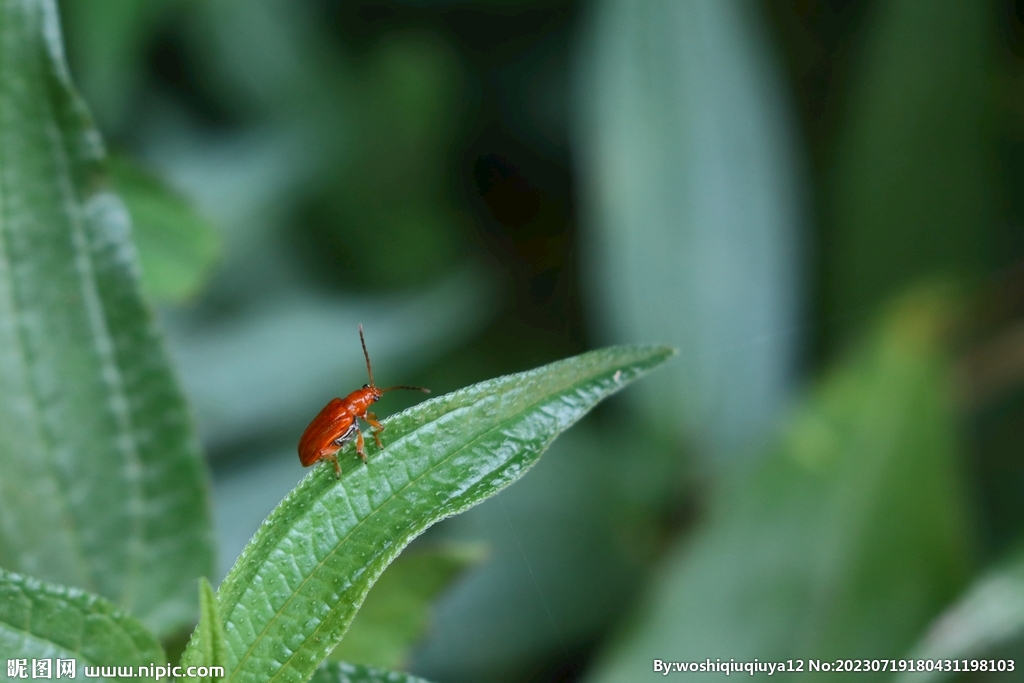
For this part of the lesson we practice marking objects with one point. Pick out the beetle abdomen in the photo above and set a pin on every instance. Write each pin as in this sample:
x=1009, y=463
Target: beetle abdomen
x=330, y=428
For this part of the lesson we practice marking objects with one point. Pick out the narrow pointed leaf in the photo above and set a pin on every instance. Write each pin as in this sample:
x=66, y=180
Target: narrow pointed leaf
x=338, y=672
x=103, y=487
x=296, y=587
x=211, y=630
x=40, y=620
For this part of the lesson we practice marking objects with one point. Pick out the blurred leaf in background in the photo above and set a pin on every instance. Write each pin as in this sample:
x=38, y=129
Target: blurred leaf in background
x=377, y=209
x=987, y=622
x=384, y=217
x=103, y=486
x=396, y=613
x=695, y=212
x=336, y=672
x=913, y=187
x=567, y=548
x=177, y=246
x=108, y=40
x=848, y=539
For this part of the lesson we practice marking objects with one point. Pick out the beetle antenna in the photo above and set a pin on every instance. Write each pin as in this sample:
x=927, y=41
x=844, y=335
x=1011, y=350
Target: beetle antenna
x=365, y=354
x=402, y=386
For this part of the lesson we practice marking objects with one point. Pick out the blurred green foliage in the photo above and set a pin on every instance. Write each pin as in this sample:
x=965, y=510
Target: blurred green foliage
x=337, y=672
x=986, y=622
x=695, y=206
x=848, y=538
x=177, y=247
x=489, y=185
x=383, y=218
x=914, y=188
x=104, y=487
x=395, y=615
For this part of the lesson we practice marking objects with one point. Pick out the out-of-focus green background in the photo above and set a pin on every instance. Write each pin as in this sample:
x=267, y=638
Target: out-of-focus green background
x=490, y=185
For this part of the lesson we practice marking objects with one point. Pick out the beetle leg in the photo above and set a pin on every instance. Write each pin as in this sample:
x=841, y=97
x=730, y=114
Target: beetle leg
x=337, y=467
x=371, y=420
x=360, y=446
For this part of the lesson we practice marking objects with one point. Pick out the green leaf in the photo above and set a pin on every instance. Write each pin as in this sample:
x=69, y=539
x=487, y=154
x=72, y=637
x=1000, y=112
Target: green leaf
x=211, y=630
x=396, y=611
x=40, y=620
x=914, y=172
x=339, y=672
x=103, y=485
x=693, y=185
x=177, y=246
x=848, y=539
x=988, y=617
x=591, y=515
x=293, y=592
x=107, y=42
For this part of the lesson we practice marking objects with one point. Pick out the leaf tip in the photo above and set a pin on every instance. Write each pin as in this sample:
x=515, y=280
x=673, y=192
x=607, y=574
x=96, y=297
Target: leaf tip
x=656, y=355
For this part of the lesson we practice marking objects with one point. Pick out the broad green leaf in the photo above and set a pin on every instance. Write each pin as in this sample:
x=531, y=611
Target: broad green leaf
x=103, y=486
x=339, y=672
x=40, y=620
x=396, y=611
x=848, y=539
x=177, y=246
x=988, y=617
x=695, y=205
x=211, y=630
x=293, y=592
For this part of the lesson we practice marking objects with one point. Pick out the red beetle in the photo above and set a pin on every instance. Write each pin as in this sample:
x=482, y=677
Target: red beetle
x=337, y=424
